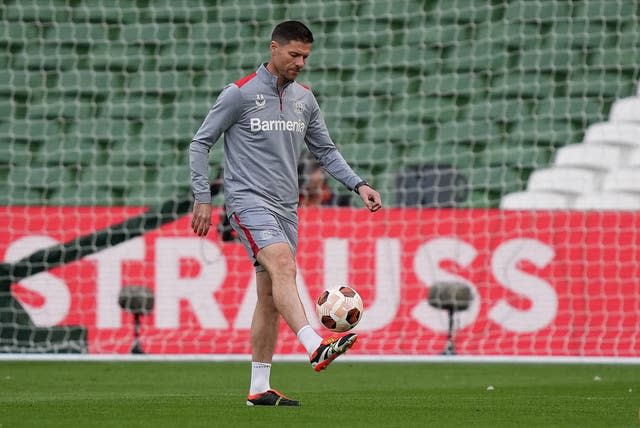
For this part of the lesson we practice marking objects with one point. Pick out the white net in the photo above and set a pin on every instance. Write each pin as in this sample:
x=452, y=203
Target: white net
x=503, y=135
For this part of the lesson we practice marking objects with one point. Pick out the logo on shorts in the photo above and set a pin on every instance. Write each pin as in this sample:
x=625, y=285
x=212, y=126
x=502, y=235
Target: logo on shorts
x=266, y=234
x=260, y=101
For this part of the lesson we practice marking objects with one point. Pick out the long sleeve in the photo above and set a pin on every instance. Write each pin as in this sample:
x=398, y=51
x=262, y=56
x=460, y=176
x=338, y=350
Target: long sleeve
x=223, y=114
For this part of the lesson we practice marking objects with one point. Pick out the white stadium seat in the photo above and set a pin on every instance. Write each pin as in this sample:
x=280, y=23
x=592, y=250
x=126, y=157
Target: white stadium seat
x=607, y=201
x=591, y=156
x=613, y=133
x=622, y=180
x=626, y=110
x=572, y=181
x=634, y=158
x=534, y=201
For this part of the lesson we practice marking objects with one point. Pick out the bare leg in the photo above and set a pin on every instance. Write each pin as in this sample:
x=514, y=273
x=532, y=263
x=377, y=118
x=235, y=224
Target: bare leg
x=264, y=326
x=279, y=262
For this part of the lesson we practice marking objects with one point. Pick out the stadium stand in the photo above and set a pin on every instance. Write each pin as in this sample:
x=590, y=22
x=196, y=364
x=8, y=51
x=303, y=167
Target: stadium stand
x=491, y=89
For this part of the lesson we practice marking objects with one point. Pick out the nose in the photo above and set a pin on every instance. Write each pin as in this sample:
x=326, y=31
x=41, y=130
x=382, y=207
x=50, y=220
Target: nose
x=300, y=62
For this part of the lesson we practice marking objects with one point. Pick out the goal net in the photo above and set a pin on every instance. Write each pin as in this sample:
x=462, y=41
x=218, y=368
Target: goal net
x=504, y=137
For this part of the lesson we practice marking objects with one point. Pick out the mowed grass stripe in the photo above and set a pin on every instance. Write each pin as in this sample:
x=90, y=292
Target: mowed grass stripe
x=163, y=394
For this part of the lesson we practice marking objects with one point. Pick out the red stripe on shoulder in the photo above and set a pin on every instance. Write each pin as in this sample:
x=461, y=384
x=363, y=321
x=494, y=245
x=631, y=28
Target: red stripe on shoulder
x=241, y=82
x=308, y=88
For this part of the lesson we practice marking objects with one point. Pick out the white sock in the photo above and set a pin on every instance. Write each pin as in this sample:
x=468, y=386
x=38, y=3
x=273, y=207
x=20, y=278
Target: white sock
x=259, y=377
x=309, y=338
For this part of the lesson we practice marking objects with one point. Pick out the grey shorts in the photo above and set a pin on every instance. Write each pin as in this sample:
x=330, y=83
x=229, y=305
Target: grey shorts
x=258, y=227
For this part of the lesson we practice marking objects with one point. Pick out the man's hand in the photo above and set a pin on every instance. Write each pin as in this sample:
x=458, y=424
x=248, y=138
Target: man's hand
x=201, y=219
x=370, y=197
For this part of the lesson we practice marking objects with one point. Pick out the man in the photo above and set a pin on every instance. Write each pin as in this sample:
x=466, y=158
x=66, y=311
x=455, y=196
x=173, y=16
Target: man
x=266, y=118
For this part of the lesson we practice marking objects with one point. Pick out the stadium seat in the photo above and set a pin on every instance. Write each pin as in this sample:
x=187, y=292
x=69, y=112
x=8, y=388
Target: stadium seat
x=528, y=84
x=537, y=11
x=575, y=109
x=626, y=110
x=545, y=132
x=589, y=156
x=525, y=155
x=597, y=83
x=571, y=181
x=607, y=201
x=605, y=11
x=518, y=35
x=627, y=134
x=497, y=109
x=538, y=200
x=578, y=34
x=633, y=160
x=622, y=180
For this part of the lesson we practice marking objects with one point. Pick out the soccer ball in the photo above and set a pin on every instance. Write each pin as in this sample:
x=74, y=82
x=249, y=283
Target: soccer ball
x=339, y=309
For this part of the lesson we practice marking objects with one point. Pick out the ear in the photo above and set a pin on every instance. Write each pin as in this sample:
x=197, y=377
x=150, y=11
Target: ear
x=273, y=46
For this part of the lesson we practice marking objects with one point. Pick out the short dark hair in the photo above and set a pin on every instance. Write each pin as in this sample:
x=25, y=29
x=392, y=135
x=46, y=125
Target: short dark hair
x=291, y=30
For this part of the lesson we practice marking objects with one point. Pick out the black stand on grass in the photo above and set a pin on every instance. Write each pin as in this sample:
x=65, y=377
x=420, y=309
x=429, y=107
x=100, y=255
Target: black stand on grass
x=452, y=297
x=138, y=301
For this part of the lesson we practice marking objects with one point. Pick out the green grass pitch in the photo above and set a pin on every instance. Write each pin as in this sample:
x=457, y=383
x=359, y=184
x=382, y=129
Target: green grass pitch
x=210, y=394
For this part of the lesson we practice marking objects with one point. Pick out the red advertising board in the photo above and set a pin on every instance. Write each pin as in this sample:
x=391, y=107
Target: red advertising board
x=544, y=283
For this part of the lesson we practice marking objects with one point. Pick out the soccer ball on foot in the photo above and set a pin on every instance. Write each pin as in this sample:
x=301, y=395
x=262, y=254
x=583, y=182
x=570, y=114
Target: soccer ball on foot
x=340, y=308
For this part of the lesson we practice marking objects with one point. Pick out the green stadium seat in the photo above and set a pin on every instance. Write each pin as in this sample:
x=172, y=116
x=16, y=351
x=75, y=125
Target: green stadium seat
x=190, y=56
x=102, y=129
x=170, y=129
x=498, y=109
x=83, y=82
x=503, y=179
x=99, y=11
x=329, y=11
x=366, y=155
x=453, y=84
x=150, y=33
x=550, y=59
x=459, y=155
x=478, y=56
x=15, y=152
x=37, y=11
x=13, y=34
x=166, y=82
x=599, y=83
x=45, y=56
x=135, y=106
x=606, y=11
x=543, y=131
x=585, y=110
x=21, y=82
x=7, y=108
x=468, y=132
x=522, y=85
x=142, y=151
x=435, y=34
x=37, y=130
x=69, y=150
x=175, y=11
x=19, y=195
x=118, y=57
x=55, y=106
x=462, y=11
x=362, y=32
x=38, y=177
x=537, y=11
x=580, y=35
x=519, y=154
x=340, y=58
x=77, y=33
x=86, y=194
x=614, y=59
x=113, y=175
x=519, y=35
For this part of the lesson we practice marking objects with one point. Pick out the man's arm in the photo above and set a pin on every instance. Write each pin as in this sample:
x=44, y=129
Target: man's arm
x=223, y=114
x=324, y=149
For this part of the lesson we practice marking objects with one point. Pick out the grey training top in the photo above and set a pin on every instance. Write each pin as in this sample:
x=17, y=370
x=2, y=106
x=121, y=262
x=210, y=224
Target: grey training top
x=264, y=129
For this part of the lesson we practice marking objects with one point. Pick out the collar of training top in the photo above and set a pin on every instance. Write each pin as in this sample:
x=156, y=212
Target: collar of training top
x=268, y=77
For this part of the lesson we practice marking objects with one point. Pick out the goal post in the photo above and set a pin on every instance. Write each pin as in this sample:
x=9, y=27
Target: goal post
x=504, y=137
